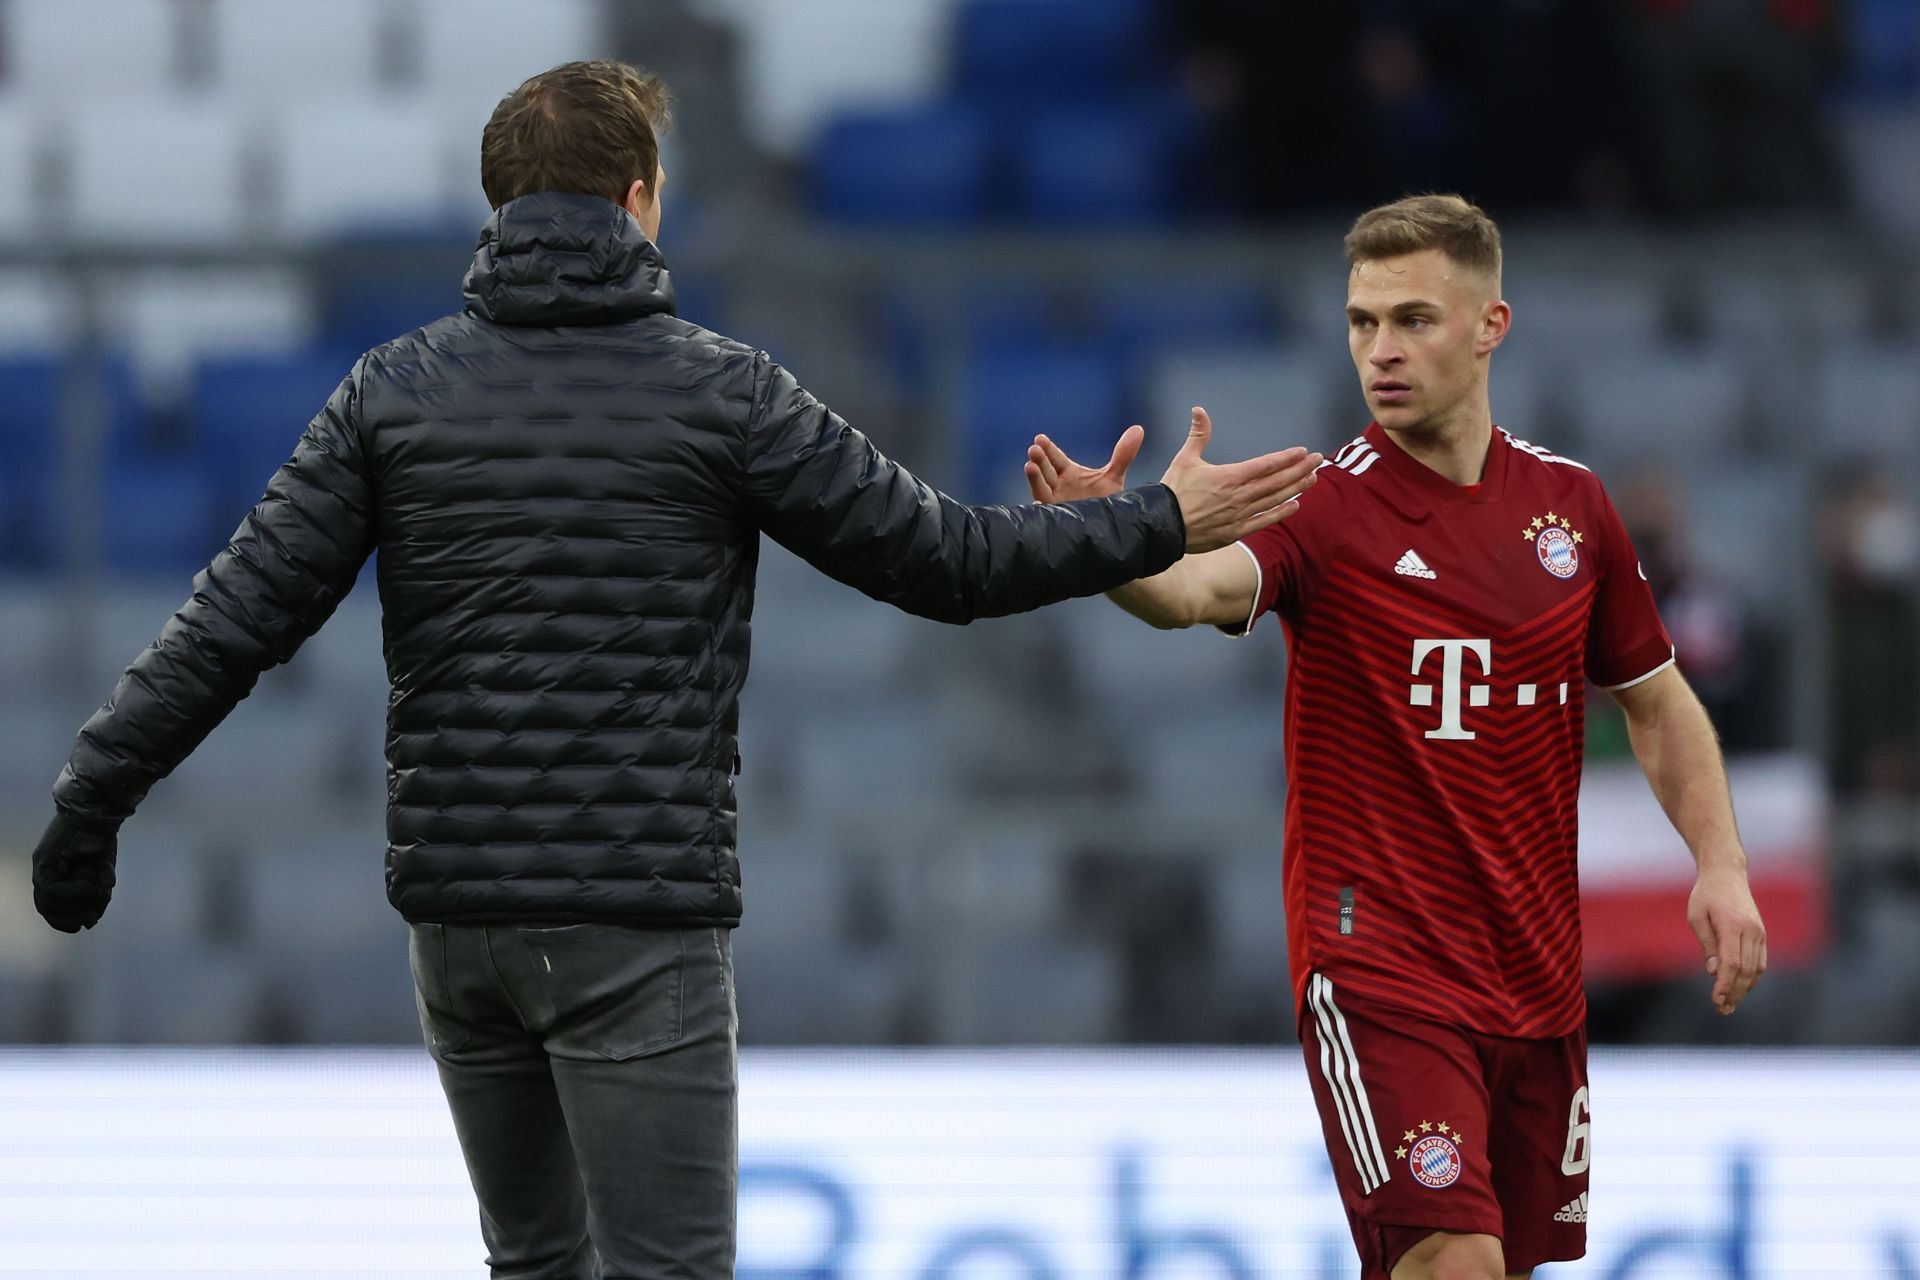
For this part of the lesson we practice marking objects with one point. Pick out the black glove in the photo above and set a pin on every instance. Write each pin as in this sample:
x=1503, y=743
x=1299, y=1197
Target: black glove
x=73, y=871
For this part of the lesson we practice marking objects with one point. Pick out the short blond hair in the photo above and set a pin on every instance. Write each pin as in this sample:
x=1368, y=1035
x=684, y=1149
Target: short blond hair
x=1455, y=226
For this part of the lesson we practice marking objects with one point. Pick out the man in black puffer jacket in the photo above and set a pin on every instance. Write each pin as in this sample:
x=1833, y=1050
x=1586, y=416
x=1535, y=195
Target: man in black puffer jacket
x=567, y=487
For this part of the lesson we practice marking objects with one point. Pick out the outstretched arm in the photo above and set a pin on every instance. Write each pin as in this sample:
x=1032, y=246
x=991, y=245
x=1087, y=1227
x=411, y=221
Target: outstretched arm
x=1216, y=587
x=1677, y=748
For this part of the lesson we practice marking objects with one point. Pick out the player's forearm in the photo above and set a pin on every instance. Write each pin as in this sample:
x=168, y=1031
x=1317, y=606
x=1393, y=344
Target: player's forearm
x=1167, y=600
x=1677, y=748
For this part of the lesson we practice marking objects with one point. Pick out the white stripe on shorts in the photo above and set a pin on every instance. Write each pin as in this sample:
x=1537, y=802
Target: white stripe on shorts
x=1341, y=1066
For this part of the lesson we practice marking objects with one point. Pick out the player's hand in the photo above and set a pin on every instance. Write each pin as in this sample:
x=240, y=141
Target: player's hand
x=1054, y=477
x=73, y=872
x=1223, y=504
x=1722, y=914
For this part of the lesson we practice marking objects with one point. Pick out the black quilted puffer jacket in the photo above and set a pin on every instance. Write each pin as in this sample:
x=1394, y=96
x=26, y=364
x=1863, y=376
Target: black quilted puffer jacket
x=567, y=487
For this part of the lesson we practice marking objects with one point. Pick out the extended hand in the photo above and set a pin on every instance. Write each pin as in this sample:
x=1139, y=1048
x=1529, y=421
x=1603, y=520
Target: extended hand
x=73, y=872
x=1223, y=504
x=1220, y=504
x=1054, y=477
x=1723, y=916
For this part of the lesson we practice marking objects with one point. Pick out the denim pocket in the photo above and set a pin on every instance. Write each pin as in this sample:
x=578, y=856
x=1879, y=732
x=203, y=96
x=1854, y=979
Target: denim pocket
x=616, y=991
x=432, y=995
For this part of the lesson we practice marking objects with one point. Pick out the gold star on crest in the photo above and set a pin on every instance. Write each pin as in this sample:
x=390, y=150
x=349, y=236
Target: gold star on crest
x=1407, y=1136
x=1443, y=1126
x=1576, y=535
x=1399, y=1153
x=1457, y=1139
x=1552, y=518
x=1538, y=523
x=1425, y=1127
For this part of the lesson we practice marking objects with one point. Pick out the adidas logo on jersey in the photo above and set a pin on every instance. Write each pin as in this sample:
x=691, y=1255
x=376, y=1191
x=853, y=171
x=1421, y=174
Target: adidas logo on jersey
x=1413, y=566
x=1574, y=1211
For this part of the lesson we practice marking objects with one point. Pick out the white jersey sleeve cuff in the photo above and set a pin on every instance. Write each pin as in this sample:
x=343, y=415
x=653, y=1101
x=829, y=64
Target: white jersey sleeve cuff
x=1245, y=629
x=1616, y=688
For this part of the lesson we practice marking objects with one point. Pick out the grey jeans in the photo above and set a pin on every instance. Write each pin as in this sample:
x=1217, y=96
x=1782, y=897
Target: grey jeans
x=591, y=1072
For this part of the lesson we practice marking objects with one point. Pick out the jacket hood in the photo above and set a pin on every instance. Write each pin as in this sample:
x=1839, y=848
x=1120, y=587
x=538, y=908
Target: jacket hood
x=555, y=258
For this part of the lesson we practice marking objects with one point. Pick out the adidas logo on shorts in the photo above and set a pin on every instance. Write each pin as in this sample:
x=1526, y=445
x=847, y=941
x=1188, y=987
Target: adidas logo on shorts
x=1575, y=1211
x=1413, y=566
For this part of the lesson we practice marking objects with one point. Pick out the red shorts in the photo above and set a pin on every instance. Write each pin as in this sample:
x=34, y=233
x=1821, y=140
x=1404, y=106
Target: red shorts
x=1435, y=1128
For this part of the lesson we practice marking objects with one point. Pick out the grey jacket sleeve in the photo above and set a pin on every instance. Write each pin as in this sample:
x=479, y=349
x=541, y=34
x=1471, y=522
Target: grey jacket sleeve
x=823, y=491
x=292, y=560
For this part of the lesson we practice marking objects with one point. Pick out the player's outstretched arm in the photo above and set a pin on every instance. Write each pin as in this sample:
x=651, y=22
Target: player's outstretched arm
x=1215, y=587
x=1680, y=753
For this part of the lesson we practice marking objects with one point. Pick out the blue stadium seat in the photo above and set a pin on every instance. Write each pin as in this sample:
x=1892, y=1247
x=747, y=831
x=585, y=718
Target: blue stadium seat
x=1886, y=48
x=29, y=463
x=248, y=414
x=158, y=517
x=1010, y=52
x=1152, y=317
x=1098, y=165
x=363, y=317
x=1075, y=395
x=928, y=166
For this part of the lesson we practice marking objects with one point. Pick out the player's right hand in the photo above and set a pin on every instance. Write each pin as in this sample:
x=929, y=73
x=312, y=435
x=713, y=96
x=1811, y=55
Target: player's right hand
x=1223, y=504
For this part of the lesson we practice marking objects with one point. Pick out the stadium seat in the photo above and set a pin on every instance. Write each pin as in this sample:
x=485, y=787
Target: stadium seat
x=303, y=49
x=487, y=47
x=127, y=46
x=30, y=463
x=248, y=414
x=1869, y=403
x=1150, y=318
x=1685, y=407
x=1023, y=51
x=39, y=312
x=1076, y=396
x=394, y=179
x=1885, y=48
x=1131, y=670
x=19, y=174
x=1097, y=166
x=370, y=314
x=158, y=517
x=166, y=320
x=920, y=167
x=1258, y=403
x=1564, y=320
x=168, y=172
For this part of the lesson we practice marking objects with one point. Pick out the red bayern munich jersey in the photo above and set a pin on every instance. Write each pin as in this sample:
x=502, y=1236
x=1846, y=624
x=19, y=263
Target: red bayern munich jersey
x=1440, y=638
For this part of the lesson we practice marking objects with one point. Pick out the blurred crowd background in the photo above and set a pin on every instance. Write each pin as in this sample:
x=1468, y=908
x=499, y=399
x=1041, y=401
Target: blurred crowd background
x=960, y=222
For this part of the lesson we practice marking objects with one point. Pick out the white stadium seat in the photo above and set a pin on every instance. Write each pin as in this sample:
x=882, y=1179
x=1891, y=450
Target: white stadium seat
x=73, y=49
x=1257, y=402
x=160, y=171
x=356, y=163
x=167, y=319
x=270, y=49
x=489, y=46
x=19, y=186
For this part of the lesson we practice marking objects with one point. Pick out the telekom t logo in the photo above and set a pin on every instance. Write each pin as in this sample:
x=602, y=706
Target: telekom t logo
x=1421, y=695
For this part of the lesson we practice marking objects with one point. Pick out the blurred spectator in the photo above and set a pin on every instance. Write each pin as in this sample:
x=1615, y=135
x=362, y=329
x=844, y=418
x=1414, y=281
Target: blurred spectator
x=1727, y=103
x=1716, y=638
x=1870, y=544
x=1672, y=106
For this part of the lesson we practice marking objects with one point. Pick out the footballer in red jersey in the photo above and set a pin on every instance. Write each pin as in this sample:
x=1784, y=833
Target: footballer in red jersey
x=1447, y=591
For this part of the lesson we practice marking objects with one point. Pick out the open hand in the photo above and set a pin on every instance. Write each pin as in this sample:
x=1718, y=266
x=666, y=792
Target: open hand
x=1054, y=477
x=1725, y=919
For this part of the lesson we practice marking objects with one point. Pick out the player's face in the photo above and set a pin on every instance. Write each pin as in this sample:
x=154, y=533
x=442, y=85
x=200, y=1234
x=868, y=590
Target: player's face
x=1419, y=327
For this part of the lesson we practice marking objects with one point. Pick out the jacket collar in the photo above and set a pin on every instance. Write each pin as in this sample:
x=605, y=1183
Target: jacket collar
x=557, y=258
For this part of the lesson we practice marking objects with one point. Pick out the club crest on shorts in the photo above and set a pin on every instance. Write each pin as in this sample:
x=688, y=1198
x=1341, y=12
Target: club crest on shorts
x=1556, y=542
x=1433, y=1154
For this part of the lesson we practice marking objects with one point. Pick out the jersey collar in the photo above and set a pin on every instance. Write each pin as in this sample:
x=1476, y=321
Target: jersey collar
x=1493, y=477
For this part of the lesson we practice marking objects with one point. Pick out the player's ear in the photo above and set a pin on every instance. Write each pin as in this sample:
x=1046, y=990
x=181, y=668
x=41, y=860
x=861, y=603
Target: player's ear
x=1495, y=320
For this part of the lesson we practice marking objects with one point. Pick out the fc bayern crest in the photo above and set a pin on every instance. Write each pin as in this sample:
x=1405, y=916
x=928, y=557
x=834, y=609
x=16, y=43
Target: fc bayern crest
x=1435, y=1161
x=1556, y=542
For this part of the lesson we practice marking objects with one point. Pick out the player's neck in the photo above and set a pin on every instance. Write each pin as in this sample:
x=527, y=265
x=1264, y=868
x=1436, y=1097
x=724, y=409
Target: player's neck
x=1456, y=449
